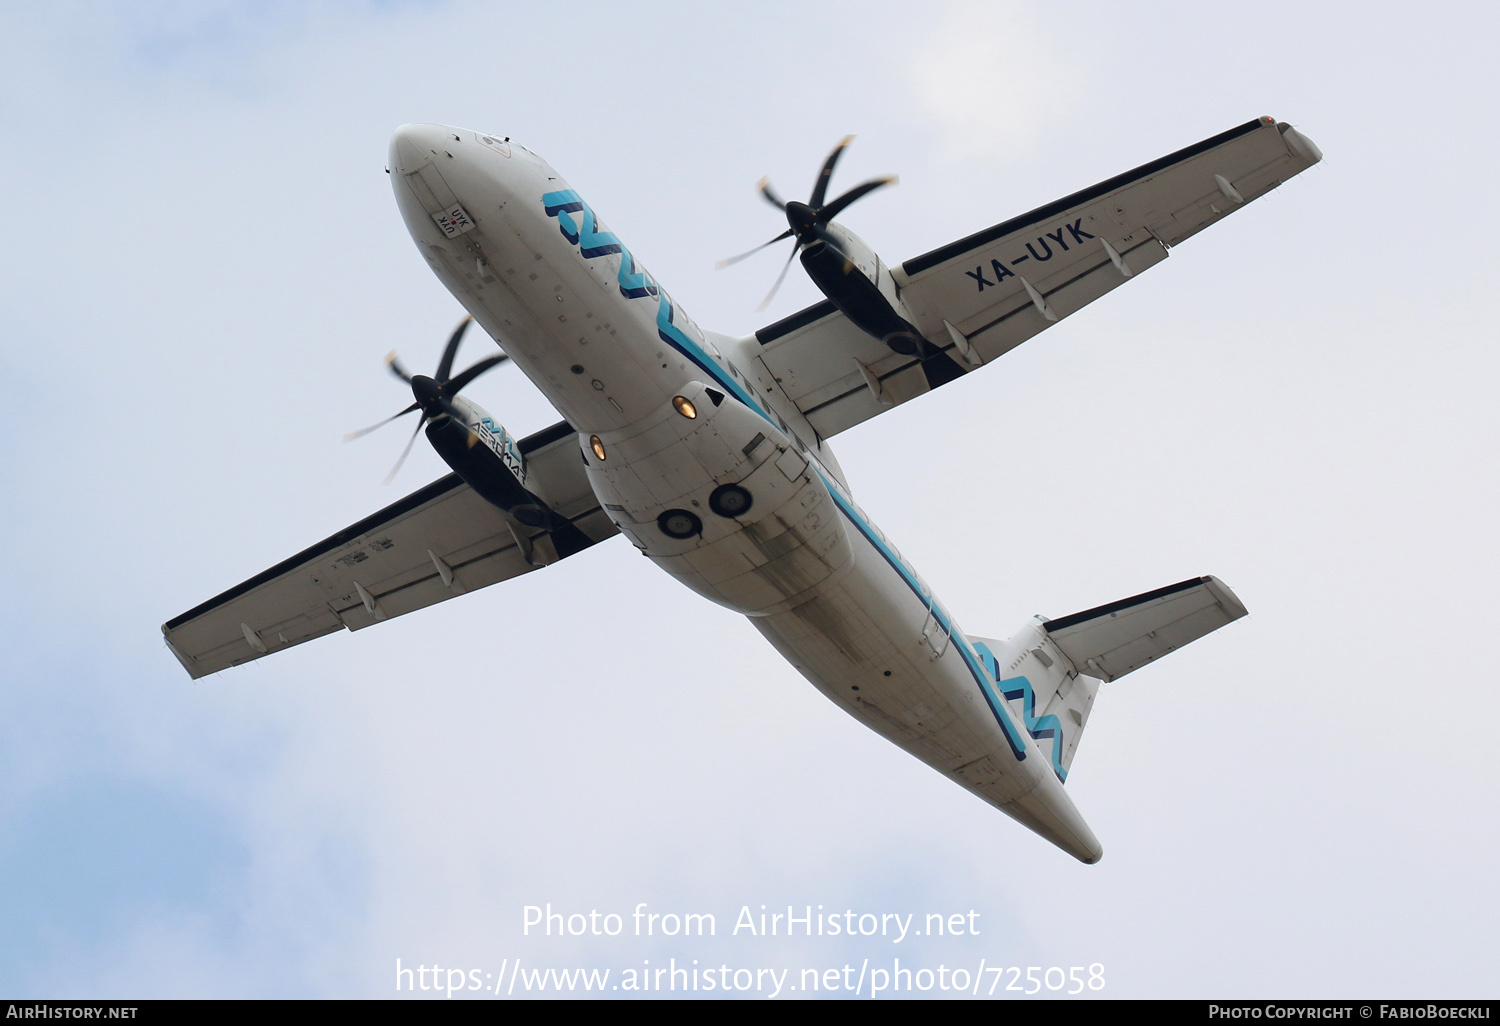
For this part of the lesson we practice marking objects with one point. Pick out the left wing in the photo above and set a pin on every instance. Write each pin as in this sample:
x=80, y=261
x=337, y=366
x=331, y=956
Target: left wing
x=982, y=296
x=438, y=542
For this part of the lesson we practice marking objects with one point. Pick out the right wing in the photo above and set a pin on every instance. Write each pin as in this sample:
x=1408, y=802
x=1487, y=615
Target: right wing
x=983, y=295
x=440, y=541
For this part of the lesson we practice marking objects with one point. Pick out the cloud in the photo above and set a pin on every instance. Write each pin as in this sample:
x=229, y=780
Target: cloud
x=992, y=79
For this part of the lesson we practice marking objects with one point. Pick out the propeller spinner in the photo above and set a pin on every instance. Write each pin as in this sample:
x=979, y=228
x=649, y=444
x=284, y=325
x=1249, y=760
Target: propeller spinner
x=496, y=469
x=432, y=394
x=847, y=271
x=808, y=222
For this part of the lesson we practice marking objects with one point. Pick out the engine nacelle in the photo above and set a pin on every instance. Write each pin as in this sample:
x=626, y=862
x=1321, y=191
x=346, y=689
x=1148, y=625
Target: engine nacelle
x=485, y=455
x=722, y=499
x=855, y=280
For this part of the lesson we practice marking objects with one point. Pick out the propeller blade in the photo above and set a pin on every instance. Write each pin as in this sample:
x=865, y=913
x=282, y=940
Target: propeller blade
x=394, y=364
x=351, y=436
x=779, y=279
x=736, y=259
x=451, y=349
x=837, y=206
x=457, y=384
x=405, y=452
x=820, y=187
x=764, y=185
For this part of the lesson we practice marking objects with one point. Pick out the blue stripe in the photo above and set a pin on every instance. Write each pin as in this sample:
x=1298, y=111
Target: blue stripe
x=675, y=337
x=636, y=283
x=1037, y=727
x=679, y=340
x=976, y=670
x=559, y=205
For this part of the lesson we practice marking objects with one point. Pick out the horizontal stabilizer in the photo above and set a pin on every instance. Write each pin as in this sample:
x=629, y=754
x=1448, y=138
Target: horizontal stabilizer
x=1110, y=641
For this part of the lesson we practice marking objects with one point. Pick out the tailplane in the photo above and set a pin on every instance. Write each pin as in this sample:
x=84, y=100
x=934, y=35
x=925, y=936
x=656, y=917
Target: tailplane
x=1050, y=670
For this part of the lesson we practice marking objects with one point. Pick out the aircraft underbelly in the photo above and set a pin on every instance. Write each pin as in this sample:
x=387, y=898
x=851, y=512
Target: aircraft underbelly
x=867, y=641
x=800, y=561
x=663, y=480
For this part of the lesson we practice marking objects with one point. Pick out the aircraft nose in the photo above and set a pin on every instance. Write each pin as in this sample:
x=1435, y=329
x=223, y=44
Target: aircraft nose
x=445, y=179
x=414, y=145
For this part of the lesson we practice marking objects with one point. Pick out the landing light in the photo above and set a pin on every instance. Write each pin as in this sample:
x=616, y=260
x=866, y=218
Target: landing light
x=597, y=446
x=680, y=524
x=683, y=407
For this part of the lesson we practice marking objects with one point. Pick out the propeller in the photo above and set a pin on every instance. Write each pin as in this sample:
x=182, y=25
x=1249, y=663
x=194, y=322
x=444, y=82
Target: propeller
x=807, y=222
x=432, y=394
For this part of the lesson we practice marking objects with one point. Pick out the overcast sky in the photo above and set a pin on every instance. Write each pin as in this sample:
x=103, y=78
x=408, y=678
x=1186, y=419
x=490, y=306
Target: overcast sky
x=203, y=268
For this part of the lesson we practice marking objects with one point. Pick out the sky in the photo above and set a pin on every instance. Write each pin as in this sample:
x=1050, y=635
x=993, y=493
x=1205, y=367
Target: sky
x=204, y=267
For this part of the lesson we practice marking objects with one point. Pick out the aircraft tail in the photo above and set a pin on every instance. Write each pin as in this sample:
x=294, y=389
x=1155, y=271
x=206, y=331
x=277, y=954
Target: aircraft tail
x=1050, y=670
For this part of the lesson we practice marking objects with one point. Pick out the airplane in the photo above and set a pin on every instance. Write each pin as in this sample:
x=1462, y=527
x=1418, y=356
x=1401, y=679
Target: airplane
x=710, y=454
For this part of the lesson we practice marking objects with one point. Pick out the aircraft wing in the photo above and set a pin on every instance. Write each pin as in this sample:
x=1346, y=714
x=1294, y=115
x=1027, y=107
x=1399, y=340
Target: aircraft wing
x=983, y=295
x=440, y=541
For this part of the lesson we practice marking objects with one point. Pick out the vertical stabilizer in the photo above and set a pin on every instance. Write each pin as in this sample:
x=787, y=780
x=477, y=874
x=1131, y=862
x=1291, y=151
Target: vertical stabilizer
x=1049, y=671
x=1044, y=690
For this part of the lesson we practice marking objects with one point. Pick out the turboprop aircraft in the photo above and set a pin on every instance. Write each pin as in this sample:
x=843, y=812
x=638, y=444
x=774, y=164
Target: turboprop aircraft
x=710, y=454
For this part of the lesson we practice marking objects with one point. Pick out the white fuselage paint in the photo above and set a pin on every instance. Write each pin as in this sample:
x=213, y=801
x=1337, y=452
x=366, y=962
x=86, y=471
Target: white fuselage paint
x=814, y=575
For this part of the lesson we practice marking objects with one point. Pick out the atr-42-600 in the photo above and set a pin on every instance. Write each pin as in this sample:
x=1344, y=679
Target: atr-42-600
x=710, y=454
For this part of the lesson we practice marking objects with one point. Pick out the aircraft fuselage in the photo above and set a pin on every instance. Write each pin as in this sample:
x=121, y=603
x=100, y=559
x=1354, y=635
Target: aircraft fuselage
x=710, y=470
